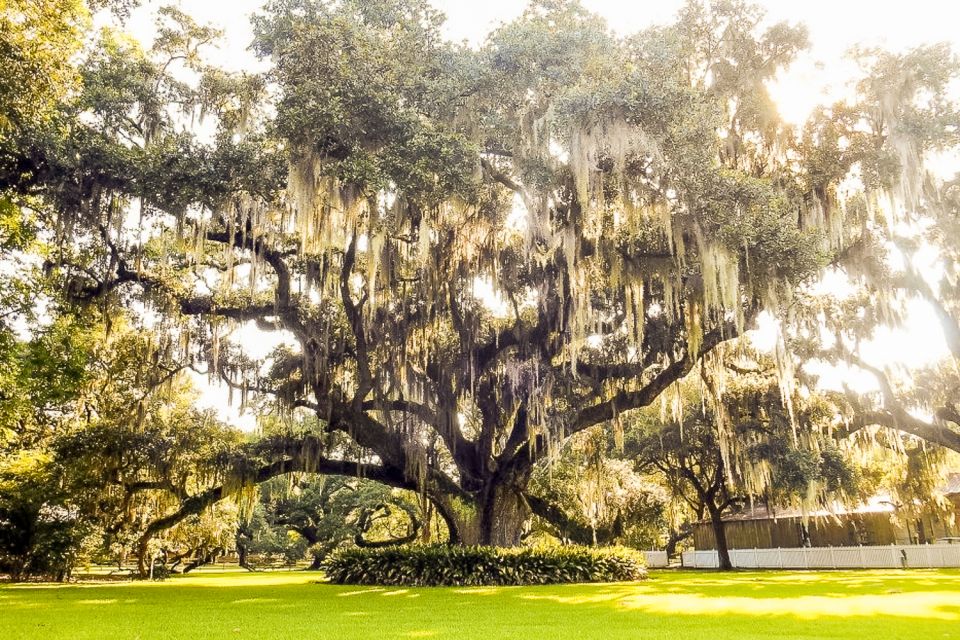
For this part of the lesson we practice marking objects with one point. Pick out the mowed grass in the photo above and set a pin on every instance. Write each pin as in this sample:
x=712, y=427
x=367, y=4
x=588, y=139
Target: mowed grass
x=877, y=605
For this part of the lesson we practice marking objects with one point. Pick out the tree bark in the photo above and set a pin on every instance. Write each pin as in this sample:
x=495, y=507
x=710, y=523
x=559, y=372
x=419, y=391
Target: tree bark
x=503, y=516
x=142, y=546
x=676, y=537
x=570, y=529
x=720, y=536
x=496, y=518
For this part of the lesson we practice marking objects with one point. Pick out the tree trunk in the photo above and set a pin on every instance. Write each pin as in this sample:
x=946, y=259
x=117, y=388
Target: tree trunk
x=720, y=536
x=427, y=509
x=496, y=519
x=316, y=564
x=676, y=537
x=319, y=554
x=205, y=557
x=503, y=516
x=142, y=547
x=243, y=557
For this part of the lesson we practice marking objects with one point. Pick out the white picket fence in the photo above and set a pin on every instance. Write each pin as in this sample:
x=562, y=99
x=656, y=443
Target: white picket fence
x=888, y=557
x=656, y=559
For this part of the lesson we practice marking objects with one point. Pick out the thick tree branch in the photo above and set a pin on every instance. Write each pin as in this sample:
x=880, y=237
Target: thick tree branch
x=900, y=420
x=502, y=178
x=196, y=504
x=567, y=527
x=355, y=316
x=627, y=400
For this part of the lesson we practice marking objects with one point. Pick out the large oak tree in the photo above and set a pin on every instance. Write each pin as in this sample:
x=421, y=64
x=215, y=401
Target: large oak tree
x=627, y=203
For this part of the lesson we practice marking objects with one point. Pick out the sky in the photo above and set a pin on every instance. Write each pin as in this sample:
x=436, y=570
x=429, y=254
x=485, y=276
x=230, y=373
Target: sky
x=819, y=76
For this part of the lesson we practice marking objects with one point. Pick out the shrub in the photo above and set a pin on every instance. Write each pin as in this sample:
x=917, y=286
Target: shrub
x=441, y=565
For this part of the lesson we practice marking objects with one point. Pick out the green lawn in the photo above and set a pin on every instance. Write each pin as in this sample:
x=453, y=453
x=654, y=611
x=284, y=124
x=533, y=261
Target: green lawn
x=876, y=605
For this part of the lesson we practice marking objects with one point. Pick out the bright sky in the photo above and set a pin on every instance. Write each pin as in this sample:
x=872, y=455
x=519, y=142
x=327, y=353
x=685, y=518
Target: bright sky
x=834, y=25
x=819, y=77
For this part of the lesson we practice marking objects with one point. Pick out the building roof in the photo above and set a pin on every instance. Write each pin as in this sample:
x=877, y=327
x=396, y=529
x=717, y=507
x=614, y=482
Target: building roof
x=877, y=504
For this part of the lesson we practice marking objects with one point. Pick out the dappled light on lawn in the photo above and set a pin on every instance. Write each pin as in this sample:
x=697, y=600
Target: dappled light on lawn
x=744, y=605
x=917, y=605
x=806, y=596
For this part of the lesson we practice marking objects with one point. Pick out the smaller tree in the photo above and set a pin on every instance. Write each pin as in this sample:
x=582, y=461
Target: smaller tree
x=689, y=460
x=720, y=450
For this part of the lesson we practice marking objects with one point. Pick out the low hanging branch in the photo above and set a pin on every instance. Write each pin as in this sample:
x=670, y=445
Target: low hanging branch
x=900, y=420
x=570, y=528
x=895, y=416
x=369, y=516
x=196, y=504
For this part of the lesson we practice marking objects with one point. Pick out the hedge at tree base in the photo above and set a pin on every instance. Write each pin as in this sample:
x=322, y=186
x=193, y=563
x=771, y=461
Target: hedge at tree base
x=442, y=565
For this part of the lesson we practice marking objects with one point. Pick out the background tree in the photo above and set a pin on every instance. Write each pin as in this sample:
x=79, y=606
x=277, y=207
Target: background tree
x=97, y=438
x=718, y=458
x=330, y=511
x=41, y=522
x=897, y=243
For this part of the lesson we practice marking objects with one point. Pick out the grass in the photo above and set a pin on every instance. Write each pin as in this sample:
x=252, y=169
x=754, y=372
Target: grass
x=878, y=605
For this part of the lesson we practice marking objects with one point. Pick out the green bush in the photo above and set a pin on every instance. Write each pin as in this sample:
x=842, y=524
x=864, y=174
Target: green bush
x=441, y=565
